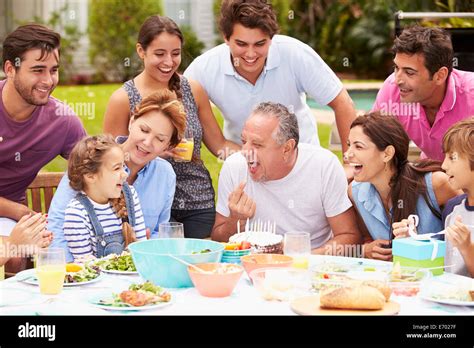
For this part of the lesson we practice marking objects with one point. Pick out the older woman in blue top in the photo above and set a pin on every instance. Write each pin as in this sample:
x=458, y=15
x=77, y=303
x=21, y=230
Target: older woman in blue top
x=387, y=188
x=157, y=126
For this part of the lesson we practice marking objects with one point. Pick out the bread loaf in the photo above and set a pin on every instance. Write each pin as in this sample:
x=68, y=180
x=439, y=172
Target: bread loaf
x=357, y=297
x=381, y=286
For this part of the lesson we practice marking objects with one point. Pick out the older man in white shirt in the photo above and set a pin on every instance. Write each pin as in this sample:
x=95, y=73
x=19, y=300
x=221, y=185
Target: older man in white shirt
x=301, y=187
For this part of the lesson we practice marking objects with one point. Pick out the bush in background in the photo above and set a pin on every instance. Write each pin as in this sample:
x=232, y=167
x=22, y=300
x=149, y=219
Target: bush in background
x=192, y=47
x=70, y=36
x=113, y=31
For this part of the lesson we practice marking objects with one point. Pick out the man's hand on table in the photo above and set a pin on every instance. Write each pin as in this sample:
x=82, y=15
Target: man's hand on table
x=378, y=249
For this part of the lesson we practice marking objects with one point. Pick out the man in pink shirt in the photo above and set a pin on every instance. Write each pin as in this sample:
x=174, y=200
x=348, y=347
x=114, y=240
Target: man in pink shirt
x=425, y=92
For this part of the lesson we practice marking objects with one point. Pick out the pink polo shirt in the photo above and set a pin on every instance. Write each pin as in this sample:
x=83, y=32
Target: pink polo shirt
x=458, y=104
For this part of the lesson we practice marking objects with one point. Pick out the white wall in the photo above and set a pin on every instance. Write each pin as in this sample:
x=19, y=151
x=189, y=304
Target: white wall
x=195, y=13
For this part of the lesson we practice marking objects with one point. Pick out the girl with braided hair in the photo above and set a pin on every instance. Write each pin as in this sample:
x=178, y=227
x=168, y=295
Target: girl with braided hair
x=105, y=216
x=159, y=45
x=387, y=188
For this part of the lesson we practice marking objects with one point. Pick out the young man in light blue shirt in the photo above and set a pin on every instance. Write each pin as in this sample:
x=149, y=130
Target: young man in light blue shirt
x=255, y=66
x=155, y=185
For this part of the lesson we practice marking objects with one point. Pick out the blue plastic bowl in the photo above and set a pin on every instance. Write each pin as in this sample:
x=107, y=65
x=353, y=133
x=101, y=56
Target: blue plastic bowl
x=153, y=263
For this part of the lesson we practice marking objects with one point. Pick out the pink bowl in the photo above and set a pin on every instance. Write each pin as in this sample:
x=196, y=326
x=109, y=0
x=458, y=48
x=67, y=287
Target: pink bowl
x=256, y=261
x=220, y=283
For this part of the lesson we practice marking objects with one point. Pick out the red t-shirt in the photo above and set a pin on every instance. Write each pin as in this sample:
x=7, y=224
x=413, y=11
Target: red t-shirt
x=25, y=147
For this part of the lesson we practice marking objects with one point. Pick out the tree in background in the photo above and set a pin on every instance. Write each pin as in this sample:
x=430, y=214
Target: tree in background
x=355, y=36
x=62, y=21
x=192, y=47
x=113, y=32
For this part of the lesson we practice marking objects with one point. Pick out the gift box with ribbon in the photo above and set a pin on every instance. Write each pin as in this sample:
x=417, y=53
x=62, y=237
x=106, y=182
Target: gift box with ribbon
x=420, y=253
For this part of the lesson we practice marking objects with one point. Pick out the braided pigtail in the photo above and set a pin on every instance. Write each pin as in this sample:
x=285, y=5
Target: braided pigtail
x=120, y=207
x=174, y=85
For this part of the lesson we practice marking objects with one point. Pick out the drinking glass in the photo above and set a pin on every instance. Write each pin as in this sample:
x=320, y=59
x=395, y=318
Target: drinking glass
x=298, y=246
x=171, y=230
x=186, y=147
x=51, y=270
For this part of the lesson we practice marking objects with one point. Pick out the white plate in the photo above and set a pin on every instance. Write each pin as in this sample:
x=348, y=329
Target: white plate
x=29, y=277
x=445, y=284
x=9, y=296
x=93, y=301
x=111, y=271
x=448, y=302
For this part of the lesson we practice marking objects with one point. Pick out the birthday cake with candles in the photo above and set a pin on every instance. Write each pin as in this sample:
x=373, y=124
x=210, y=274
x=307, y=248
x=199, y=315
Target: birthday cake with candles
x=261, y=242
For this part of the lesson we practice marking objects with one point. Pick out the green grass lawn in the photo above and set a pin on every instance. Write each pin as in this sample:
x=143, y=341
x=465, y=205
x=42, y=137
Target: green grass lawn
x=97, y=96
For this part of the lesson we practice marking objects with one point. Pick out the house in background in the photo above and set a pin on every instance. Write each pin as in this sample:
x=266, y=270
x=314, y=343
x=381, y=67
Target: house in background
x=194, y=13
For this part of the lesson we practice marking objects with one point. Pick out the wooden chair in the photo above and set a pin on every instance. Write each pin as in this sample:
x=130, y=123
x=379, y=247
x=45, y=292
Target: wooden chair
x=38, y=197
x=40, y=192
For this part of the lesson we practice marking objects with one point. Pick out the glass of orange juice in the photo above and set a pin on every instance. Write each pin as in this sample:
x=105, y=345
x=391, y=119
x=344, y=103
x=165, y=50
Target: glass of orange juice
x=51, y=270
x=185, y=147
x=298, y=246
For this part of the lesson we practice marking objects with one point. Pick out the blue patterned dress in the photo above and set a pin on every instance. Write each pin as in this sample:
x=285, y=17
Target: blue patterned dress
x=194, y=189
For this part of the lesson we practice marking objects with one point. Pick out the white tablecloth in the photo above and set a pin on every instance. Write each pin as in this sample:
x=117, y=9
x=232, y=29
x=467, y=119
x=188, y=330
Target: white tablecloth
x=245, y=300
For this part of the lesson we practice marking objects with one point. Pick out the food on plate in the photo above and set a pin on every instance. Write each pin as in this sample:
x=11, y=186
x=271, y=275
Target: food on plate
x=203, y=251
x=261, y=242
x=407, y=275
x=323, y=281
x=406, y=281
x=114, y=262
x=73, y=267
x=354, y=297
x=471, y=293
x=138, y=295
x=455, y=289
x=226, y=268
x=332, y=268
x=244, y=245
x=397, y=271
x=331, y=276
x=381, y=286
x=87, y=273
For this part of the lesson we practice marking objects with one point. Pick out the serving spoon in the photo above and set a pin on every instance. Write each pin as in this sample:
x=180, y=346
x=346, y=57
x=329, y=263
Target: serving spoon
x=199, y=269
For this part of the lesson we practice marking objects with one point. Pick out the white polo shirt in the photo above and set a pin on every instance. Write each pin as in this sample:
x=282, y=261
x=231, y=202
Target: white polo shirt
x=315, y=189
x=292, y=70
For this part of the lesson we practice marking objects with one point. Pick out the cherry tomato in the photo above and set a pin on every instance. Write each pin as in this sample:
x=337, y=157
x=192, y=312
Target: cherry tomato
x=245, y=245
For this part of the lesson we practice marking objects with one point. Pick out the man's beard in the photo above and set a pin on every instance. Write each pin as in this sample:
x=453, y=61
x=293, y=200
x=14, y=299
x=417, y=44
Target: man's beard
x=27, y=94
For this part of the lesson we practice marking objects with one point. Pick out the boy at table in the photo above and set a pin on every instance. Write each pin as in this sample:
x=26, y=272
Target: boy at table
x=458, y=215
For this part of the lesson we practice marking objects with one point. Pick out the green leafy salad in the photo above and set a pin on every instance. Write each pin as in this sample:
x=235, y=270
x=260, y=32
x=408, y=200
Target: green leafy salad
x=115, y=262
